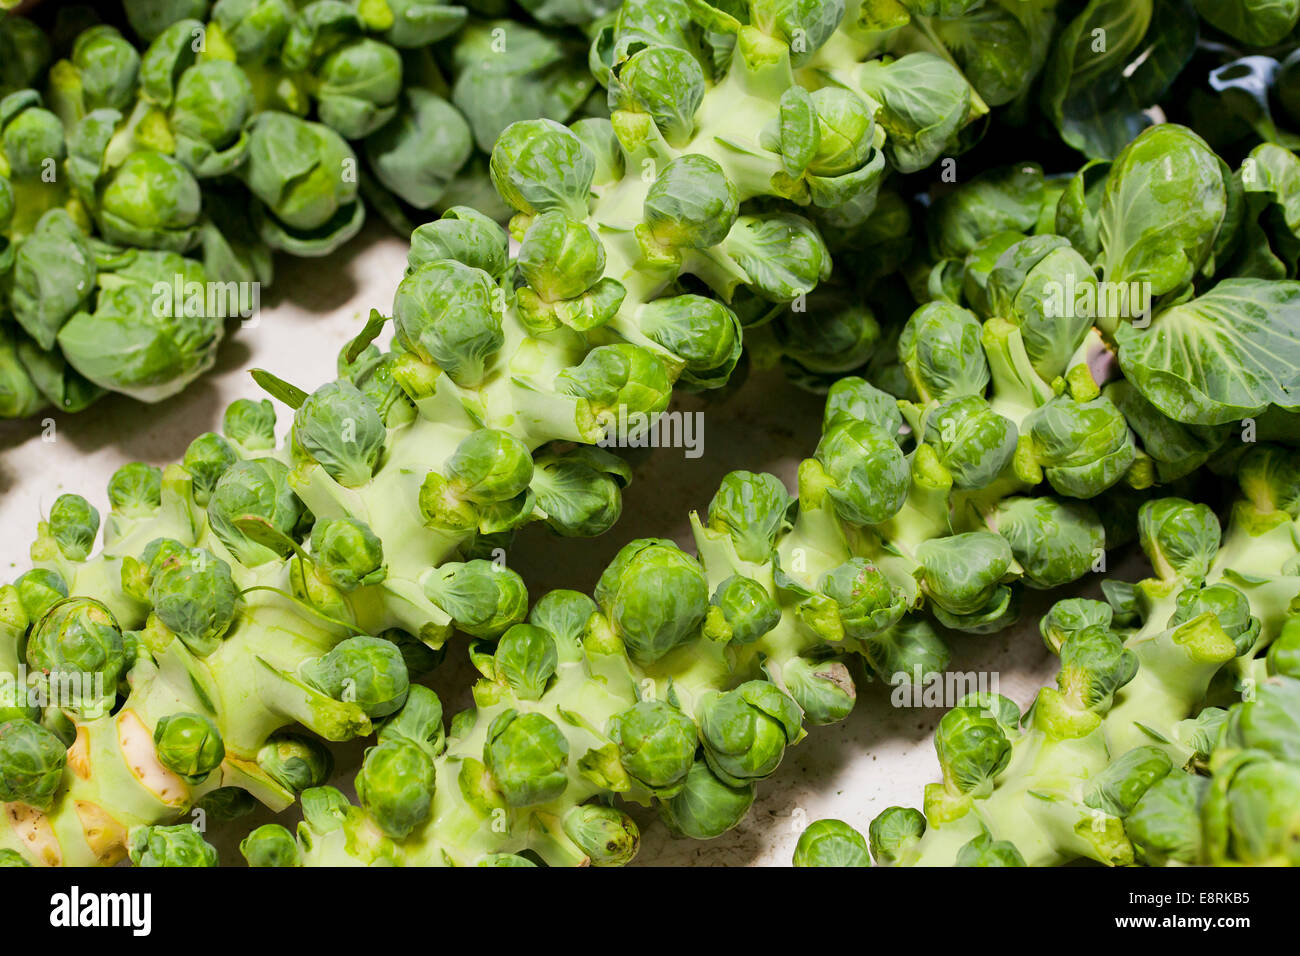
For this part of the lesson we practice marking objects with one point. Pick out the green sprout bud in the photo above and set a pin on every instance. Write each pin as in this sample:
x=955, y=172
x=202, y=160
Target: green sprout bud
x=189, y=745
x=823, y=689
x=656, y=743
x=348, y=553
x=39, y=590
x=754, y=510
x=194, y=594
x=1180, y=538
x=526, y=659
x=135, y=490
x=446, y=314
x=745, y=731
x=607, y=835
x=254, y=512
x=296, y=762
x=654, y=596
x=395, y=786
x=74, y=524
x=691, y=205
x=270, y=845
x=748, y=610
x=31, y=764
x=867, y=469
x=973, y=749
x=482, y=597
x=78, y=647
x=341, y=431
x=208, y=458
x=893, y=832
x=665, y=82
x=706, y=807
x=831, y=843
x=528, y=757
x=538, y=166
x=560, y=258
x=367, y=671
x=180, y=845
x=250, y=424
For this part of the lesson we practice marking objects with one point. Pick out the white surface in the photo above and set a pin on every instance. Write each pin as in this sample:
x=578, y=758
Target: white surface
x=880, y=756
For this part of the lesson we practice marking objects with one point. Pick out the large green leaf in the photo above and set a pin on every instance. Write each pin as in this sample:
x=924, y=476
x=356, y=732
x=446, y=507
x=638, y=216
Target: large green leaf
x=1222, y=357
x=1112, y=63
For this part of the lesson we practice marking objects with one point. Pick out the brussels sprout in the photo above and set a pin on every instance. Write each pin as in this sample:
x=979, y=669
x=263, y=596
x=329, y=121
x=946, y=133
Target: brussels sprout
x=141, y=343
x=417, y=153
x=78, y=647
x=528, y=757
x=1230, y=608
x=1054, y=542
x=194, y=594
x=270, y=845
x=984, y=851
x=1180, y=538
x=368, y=671
x=972, y=749
x=746, y=608
x=656, y=743
x=446, y=314
x=1094, y=665
x=226, y=804
x=609, y=837
x=831, y=843
x=304, y=175
x=940, y=351
x=1083, y=447
x=1069, y=616
x=99, y=73
x=252, y=495
x=823, y=689
x=754, y=510
x=39, y=590
x=665, y=82
x=526, y=658
x=463, y=234
x=893, y=832
x=919, y=128
x=1165, y=824
x=295, y=762
x=250, y=424
x=207, y=459
x=691, y=204
x=654, y=596
x=341, y=431
x=745, y=731
x=538, y=166
x=973, y=442
x=867, y=469
x=483, y=598
x=31, y=764
x=180, y=845
x=348, y=553
x=706, y=807
x=189, y=745
x=580, y=491
x=73, y=524
x=783, y=256
x=963, y=573
x=395, y=786
x=854, y=399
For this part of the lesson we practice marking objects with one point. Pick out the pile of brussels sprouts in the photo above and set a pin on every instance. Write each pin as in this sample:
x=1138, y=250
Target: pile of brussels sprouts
x=186, y=148
x=1026, y=372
